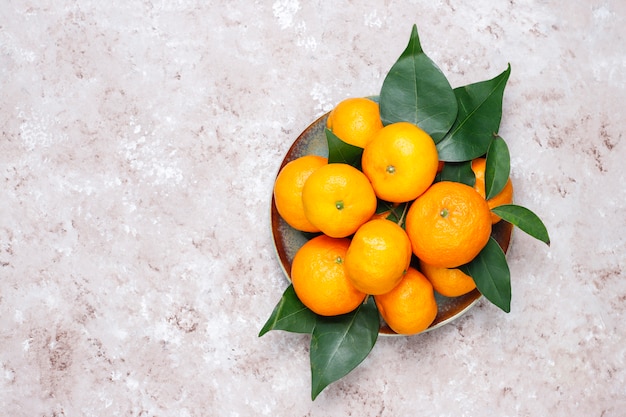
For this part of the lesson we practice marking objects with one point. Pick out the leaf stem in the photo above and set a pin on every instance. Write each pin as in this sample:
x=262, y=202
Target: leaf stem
x=401, y=219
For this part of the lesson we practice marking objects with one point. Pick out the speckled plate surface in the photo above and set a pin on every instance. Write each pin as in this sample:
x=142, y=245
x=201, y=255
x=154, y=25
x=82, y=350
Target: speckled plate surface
x=287, y=240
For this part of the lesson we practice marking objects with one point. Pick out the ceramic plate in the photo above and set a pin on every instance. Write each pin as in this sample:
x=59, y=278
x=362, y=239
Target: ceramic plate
x=287, y=240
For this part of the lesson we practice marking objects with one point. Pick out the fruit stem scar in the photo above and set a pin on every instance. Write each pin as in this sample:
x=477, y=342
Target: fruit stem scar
x=444, y=213
x=390, y=169
x=339, y=205
x=338, y=260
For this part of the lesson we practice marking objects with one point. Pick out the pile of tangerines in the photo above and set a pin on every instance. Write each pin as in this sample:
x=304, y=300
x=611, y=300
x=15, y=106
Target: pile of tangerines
x=359, y=252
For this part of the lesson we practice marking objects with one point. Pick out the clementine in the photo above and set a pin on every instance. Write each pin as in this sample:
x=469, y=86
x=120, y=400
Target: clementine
x=450, y=282
x=288, y=190
x=449, y=224
x=410, y=307
x=401, y=162
x=338, y=198
x=378, y=256
x=503, y=197
x=355, y=120
x=319, y=277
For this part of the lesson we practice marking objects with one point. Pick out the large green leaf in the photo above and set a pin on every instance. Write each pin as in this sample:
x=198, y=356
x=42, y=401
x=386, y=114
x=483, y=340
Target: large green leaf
x=458, y=172
x=290, y=315
x=525, y=219
x=478, y=119
x=342, y=152
x=491, y=274
x=416, y=91
x=340, y=343
x=497, y=167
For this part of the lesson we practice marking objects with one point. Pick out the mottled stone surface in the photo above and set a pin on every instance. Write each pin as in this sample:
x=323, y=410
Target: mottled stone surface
x=139, y=144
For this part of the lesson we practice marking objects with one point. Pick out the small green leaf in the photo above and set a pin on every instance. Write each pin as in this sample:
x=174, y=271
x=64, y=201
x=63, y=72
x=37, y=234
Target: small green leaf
x=525, y=219
x=491, y=274
x=497, y=167
x=395, y=211
x=416, y=91
x=342, y=152
x=340, y=343
x=290, y=315
x=383, y=206
x=478, y=119
x=458, y=172
x=398, y=214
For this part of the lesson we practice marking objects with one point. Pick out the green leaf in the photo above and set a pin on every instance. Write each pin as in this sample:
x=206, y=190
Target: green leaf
x=497, y=167
x=416, y=91
x=342, y=152
x=525, y=219
x=491, y=274
x=478, y=119
x=290, y=315
x=340, y=343
x=383, y=206
x=396, y=211
x=458, y=172
x=398, y=214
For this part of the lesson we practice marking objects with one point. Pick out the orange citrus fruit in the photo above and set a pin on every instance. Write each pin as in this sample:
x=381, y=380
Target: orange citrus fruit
x=319, y=278
x=378, y=256
x=449, y=224
x=410, y=307
x=337, y=199
x=503, y=197
x=288, y=190
x=355, y=120
x=401, y=162
x=451, y=282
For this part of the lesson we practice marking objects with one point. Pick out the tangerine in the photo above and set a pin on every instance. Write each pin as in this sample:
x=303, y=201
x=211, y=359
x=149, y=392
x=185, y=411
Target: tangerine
x=355, y=120
x=337, y=199
x=319, y=277
x=288, y=190
x=410, y=307
x=378, y=256
x=503, y=197
x=450, y=282
x=449, y=224
x=401, y=162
